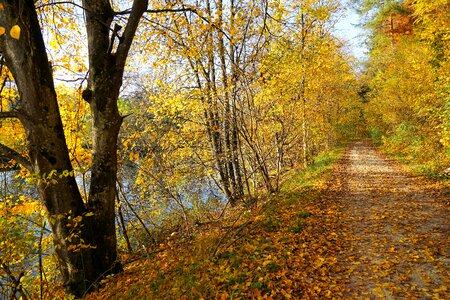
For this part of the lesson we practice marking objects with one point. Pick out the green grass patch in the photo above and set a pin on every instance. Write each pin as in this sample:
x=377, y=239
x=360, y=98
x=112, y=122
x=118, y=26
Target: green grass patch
x=299, y=221
x=271, y=225
x=307, y=178
x=297, y=227
x=303, y=215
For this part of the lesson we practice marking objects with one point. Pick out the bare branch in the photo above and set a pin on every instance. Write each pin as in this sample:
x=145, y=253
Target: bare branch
x=4, y=80
x=212, y=25
x=115, y=34
x=16, y=281
x=9, y=115
x=59, y=3
x=138, y=9
x=13, y=154
x=156, y=11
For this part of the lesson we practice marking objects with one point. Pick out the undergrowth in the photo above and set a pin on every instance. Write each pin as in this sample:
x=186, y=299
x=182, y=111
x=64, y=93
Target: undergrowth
x=247, y=254
x=423, y=156
x=418, y=158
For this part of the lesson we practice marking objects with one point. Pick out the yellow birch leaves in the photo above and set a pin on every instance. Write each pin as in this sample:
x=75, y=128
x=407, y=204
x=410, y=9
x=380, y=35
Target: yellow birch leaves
x=15, y=30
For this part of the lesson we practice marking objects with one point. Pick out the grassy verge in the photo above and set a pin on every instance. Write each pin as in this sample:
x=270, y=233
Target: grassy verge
x=431, y=169
x=313, y=175
x=422, y=158
x=256, y=252
x=428, y=164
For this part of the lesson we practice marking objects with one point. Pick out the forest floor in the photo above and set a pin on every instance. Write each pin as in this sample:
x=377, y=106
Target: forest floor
x=362, y=228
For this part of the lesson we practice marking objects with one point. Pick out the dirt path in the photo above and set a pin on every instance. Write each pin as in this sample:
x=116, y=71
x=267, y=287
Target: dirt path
x=395, y=231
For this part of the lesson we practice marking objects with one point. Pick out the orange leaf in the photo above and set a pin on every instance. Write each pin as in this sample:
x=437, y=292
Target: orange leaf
x=15, y=32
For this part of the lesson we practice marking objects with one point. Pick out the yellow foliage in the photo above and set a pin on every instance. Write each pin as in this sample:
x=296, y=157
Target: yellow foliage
x=15, y=32
x=409, y=87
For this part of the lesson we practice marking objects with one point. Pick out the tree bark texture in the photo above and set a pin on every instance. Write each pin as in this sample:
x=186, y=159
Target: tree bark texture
x=87, y=254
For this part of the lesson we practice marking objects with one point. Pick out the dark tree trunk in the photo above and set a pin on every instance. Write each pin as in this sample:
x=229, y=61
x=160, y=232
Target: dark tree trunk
x=85, y=243
x=102, y=96
x=39, y=114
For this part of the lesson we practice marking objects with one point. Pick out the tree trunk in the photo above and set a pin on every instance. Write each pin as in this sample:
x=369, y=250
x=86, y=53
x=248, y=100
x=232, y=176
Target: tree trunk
x=39, y=114
x=304, y=134
x=214, y=115
x=85, y=244
x=228, y=126
x=234, y=120
x=304, y=35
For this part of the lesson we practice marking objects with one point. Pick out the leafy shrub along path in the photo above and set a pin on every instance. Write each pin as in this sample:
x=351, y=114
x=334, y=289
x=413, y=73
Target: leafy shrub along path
x=364, y=229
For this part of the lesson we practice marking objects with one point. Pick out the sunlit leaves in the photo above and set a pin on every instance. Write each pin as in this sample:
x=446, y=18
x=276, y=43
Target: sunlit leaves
x=13, y=133
x=15, y=32
x=261, y=260
x=20, y=243
x=65, y=39
x=409, y=84
x=314, y=80
x=433, y=18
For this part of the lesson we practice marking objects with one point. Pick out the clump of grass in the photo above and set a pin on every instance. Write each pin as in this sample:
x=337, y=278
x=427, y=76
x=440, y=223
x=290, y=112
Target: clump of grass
x=297, y=227
x=303, y=215
x=299, y=221
x=307, y=178
x=271, y=225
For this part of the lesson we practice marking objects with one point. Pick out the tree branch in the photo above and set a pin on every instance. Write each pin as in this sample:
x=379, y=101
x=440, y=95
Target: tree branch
x=16, y=281
x=138, y=9
x=59, y=3
x=213, y=25
x=115, y=34
x=9, y=115
x=155, y=11
x=13, y=154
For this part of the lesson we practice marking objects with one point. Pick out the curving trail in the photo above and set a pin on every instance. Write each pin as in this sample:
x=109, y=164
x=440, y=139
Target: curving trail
x=394, y=230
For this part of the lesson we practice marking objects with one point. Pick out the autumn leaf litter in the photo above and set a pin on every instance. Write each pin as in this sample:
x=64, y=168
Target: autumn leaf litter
x=369, y=229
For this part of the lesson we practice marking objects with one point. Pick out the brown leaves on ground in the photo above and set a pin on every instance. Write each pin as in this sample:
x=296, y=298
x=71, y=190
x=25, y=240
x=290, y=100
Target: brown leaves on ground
x=395, y=231
x=372, y=233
